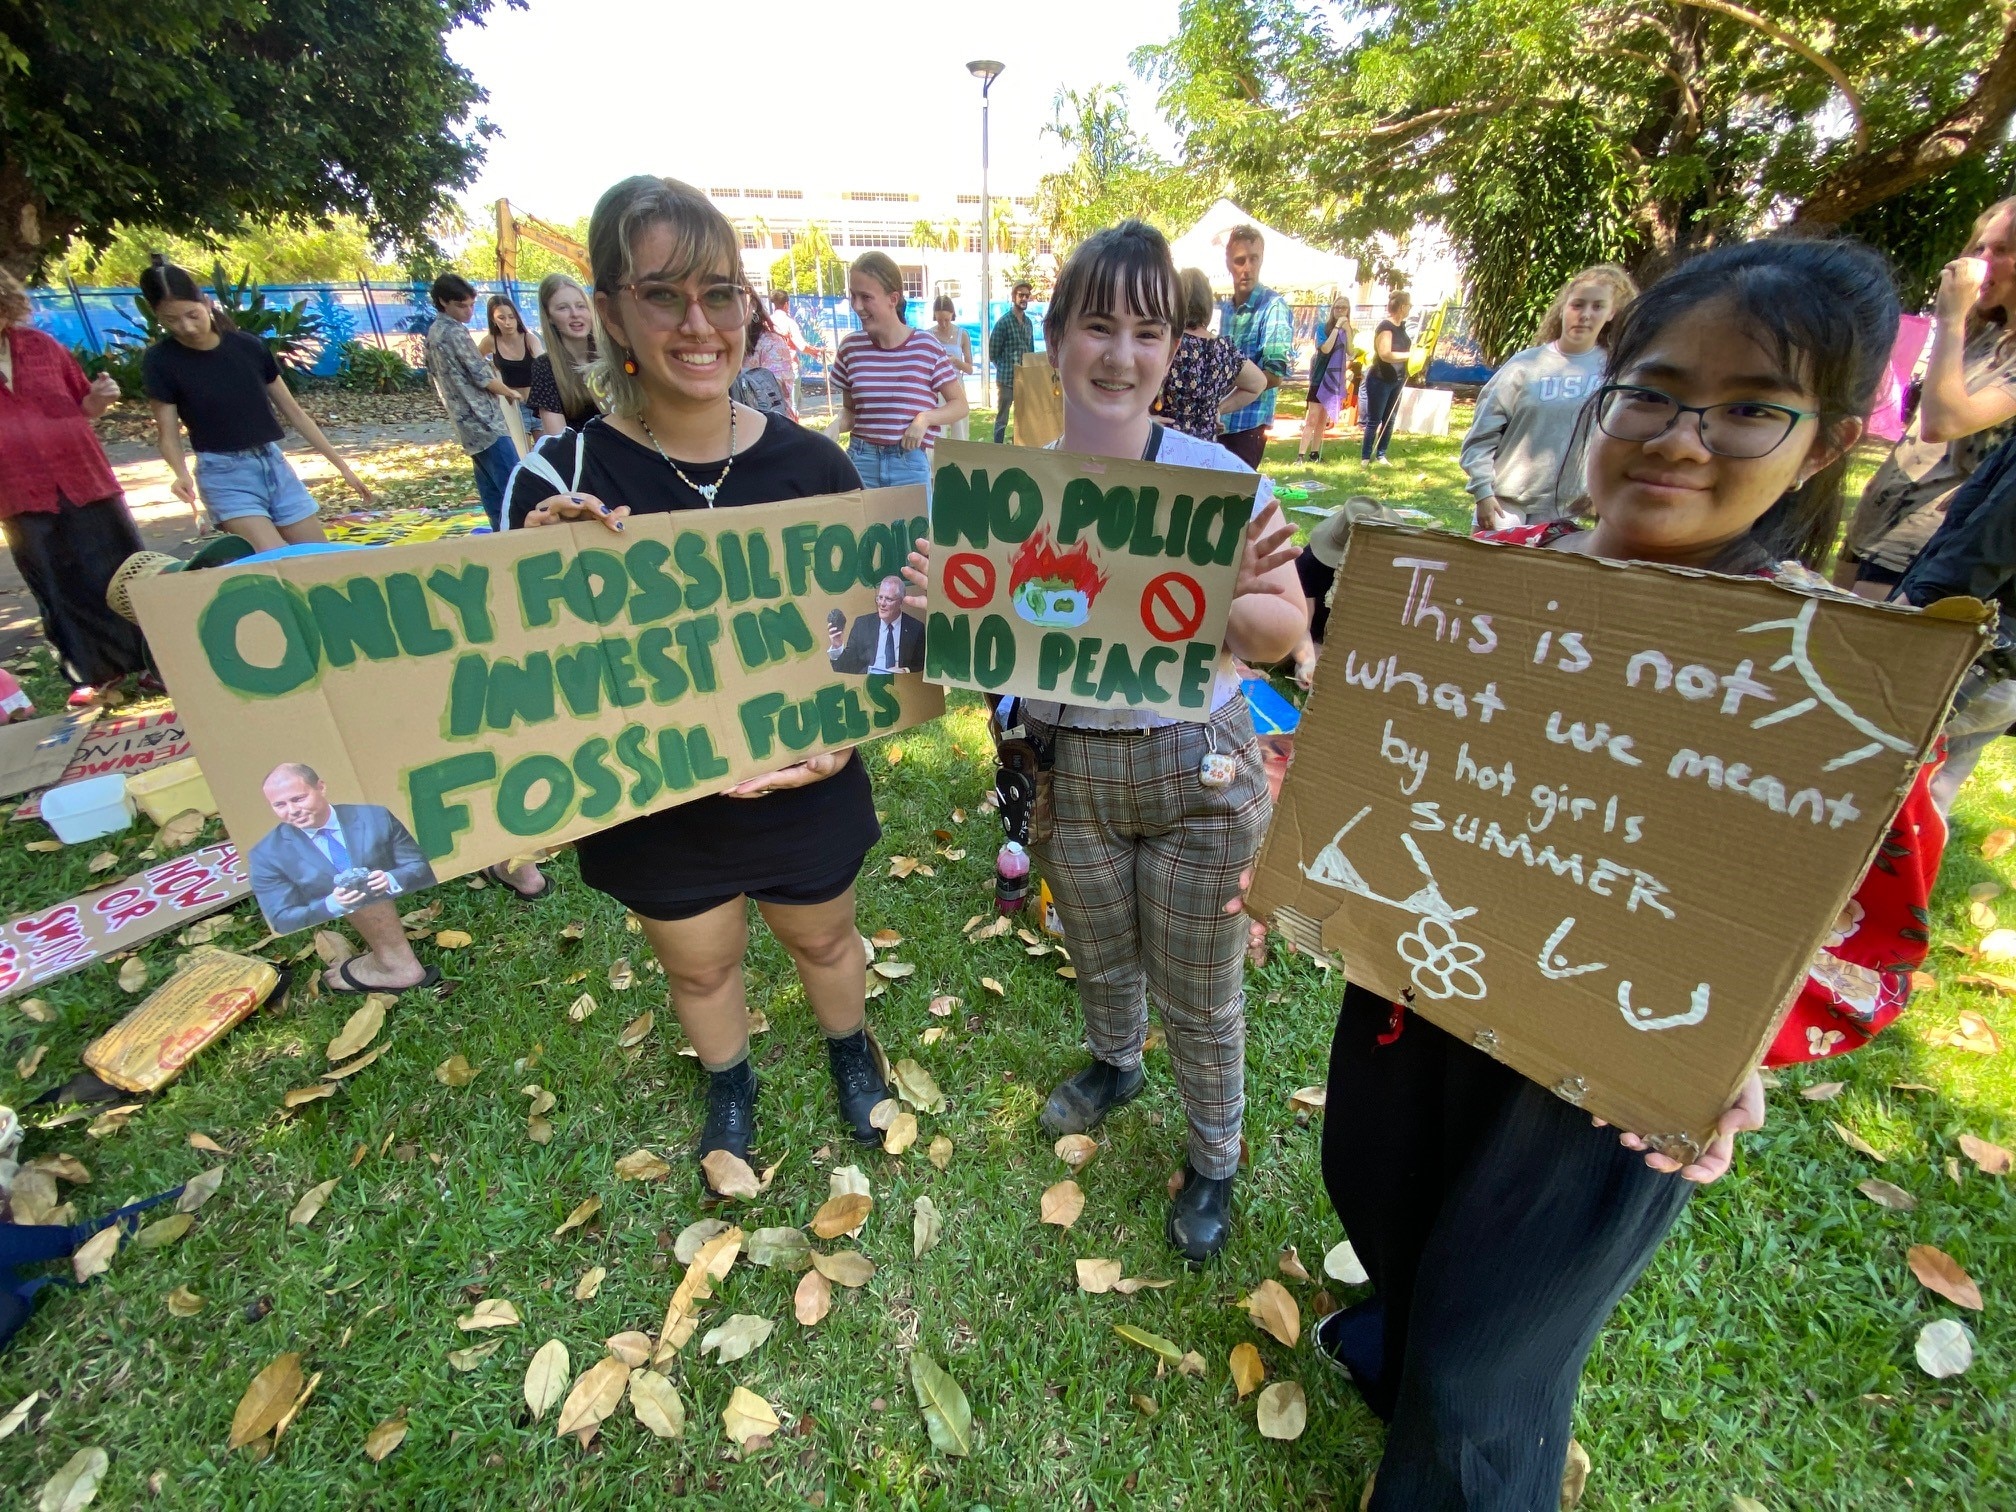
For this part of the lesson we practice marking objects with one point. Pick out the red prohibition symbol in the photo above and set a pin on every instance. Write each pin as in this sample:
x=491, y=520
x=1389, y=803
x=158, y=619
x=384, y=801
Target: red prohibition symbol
x=1172, y=606
x=969, y=580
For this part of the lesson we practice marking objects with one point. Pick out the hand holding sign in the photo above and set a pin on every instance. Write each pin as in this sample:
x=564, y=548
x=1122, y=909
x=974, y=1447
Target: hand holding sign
x=577, y=506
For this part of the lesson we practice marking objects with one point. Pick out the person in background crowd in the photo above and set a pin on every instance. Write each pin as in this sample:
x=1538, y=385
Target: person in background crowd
x=469, y=389
x=223, y=384
x=1256, y=321
x=1379, y=399
x=512, y=350
x=899, y=386
x=794, y=337
x=1013, y=338
x=1329, y=380
x=768, y=353
x=958, y=347
x=1965, y=410
x=1208, y=377
x=559, y=387
x=60, y=507
x=1499, y=1224
x=1516, y=454
x=1149, y=846
x=671, y=322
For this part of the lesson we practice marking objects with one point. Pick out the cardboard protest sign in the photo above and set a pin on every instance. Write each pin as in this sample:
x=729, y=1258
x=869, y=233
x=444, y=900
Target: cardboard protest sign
x=1597, y=819
x=461, y=701
x=46, y=943
x=1082, y=579
x=1038, y=401
x=124, y=743
x=34, y=752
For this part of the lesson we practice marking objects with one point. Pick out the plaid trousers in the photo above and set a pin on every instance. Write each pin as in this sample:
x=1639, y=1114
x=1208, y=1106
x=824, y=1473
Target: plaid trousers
x=1143, y=858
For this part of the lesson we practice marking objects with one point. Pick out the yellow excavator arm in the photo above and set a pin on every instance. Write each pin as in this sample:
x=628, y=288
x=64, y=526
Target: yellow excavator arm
x=514, y=227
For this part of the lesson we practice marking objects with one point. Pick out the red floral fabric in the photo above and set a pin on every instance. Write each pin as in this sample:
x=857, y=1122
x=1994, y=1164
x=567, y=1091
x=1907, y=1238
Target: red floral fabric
x=1860, y=978
x=48, y=450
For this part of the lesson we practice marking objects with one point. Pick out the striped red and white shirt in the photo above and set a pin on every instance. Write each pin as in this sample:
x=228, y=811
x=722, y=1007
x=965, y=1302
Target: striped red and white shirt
x=889, y=389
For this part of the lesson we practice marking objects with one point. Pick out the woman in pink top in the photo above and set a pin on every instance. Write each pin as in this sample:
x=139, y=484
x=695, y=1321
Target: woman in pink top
x=900, y=388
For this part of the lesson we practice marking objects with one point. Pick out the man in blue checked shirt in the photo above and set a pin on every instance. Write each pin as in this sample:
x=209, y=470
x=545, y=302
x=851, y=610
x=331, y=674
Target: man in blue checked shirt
x=1256, y=322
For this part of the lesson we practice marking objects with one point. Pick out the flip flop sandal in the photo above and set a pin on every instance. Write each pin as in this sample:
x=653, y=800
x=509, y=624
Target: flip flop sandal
x=497, y=876
x=353, y=988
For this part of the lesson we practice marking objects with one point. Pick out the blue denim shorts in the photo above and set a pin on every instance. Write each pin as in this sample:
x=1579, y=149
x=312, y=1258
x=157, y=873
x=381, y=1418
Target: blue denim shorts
x=888, y=466
x=259, y=482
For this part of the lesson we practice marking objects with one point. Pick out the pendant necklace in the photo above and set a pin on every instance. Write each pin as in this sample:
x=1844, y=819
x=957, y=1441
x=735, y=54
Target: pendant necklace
x=707, y=491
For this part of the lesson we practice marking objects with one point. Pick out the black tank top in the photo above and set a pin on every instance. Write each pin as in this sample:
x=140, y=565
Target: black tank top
x=516, y=373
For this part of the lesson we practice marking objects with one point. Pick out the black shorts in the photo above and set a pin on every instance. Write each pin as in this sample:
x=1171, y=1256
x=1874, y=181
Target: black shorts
x=804, y=894
x=1869, y=572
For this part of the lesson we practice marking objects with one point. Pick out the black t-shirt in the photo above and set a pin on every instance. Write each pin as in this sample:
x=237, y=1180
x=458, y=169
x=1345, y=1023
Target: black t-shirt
x=719, y=846
x=1392, y=372
x=220, y=394
x=545, y=395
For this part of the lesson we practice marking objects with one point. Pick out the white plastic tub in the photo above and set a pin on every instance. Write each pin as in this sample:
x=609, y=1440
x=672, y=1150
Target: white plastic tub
x=80, y=811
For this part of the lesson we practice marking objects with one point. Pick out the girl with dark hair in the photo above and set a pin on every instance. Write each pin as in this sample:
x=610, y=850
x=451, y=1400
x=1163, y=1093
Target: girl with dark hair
x=560, y=395
x=890, y=375
x=1150, y=849
x=1498, y=1224
x=511, y=348
x=958, y=346
x=1329, y=379
x=225, y=387
x=671, y=326
x=765, y=380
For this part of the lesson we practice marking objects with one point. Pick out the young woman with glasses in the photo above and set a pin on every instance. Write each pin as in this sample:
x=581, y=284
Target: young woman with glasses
x=1499, y=1225
x=899, y=388
x=671, y=322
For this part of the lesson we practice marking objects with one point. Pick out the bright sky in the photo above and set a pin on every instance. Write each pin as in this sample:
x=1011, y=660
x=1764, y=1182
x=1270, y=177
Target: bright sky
x=797, y=95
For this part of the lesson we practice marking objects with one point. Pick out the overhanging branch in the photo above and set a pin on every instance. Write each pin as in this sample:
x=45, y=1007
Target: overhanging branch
x=1784, y=38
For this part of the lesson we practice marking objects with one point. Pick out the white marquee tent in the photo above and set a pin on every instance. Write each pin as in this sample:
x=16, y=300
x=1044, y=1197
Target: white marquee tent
x=1290, y=264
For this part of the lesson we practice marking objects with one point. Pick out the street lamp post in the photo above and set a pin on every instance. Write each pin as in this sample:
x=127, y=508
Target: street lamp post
x=986, y=70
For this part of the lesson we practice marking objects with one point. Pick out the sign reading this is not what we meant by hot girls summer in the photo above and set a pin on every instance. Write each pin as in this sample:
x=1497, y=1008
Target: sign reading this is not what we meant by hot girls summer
x=1598, y=819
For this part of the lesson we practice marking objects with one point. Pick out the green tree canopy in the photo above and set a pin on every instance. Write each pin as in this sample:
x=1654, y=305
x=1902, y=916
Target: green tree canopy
x=1548, y=133
x=286, y=251
x=1114, y=173
x=197, y=116
x=810, y=267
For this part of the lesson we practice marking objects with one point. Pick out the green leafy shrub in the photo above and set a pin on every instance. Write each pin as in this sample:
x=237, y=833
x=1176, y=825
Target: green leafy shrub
x=369, y=369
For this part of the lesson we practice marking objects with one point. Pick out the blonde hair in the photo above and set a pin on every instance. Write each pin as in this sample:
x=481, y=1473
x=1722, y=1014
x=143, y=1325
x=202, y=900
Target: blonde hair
x=1197, y=300
x=1614, y=280
x=1997, y=316
x=14, y=306
x=570, y=380
x=702, y=241
x=881, y=267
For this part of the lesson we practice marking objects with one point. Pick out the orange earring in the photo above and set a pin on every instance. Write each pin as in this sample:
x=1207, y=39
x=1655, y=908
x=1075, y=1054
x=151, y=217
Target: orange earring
x=630, y=364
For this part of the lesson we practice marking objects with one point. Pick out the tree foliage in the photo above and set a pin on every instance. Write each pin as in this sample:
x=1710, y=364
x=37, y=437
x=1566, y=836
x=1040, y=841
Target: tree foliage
x=811, y=266
x=195, y=117
x=1545, y=132
x=1114, y=173
x=284, y=251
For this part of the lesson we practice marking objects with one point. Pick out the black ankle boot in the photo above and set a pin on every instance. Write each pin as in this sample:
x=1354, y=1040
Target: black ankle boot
x=1200, y=1219
x=731, y=1112
x=858, y=1082
x=1079, y=1102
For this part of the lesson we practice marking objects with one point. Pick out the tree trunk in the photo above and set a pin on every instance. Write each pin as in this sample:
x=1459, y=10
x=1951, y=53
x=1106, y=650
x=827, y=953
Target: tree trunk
x=1971, y=128
x=27, y=227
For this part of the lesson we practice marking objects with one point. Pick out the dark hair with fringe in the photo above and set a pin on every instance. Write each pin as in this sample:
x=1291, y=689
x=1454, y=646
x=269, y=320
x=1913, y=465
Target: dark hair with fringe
x=448, y=288
x=162, y=280
x=1126, y=264
x=498, y=302
x=1826, y=312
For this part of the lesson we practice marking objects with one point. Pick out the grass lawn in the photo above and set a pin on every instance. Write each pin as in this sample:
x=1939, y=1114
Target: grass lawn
x=1767, y=1353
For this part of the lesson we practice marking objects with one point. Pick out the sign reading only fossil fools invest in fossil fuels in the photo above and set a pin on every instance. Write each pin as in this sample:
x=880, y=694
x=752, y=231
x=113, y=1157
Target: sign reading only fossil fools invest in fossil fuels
x=1598, y=819
x=465, y=700
x=1082, y=579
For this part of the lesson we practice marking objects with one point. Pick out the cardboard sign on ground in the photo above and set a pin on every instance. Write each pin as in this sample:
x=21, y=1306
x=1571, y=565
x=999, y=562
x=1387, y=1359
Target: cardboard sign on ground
x=463, y=701
x=34, y=752
x=122, y=743
x=1082, y=579
x=1596, y=819
x=46, y=943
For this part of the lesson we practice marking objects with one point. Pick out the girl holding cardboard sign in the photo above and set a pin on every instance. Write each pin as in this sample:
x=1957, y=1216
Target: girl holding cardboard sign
x=671, y=325
x=1156, y=823
x=1499, y=1227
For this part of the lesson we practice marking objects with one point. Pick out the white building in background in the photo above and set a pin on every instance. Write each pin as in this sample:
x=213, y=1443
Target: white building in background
x=934, y=237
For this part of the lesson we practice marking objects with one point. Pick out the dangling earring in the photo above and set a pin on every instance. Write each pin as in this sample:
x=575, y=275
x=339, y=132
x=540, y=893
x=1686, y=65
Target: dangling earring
x=630, y=364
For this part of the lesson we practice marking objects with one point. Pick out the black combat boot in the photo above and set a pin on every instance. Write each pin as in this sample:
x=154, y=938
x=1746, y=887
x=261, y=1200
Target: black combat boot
x=858, y=1082
x=1081, y=1101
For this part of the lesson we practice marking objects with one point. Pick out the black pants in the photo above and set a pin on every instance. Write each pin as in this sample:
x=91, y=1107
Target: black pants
x=1317, y=580
x=1004, y=401
x=67, y=558
x=1377, y=401
x=1249, y=445
x=1500, y=1229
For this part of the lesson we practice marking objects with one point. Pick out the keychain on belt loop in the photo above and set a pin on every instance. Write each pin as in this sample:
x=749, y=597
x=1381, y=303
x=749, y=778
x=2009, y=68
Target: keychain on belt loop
x=1215, y=770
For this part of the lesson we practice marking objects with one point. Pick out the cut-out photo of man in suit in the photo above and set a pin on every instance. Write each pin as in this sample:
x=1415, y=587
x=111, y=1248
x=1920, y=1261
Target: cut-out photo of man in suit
x=886, y=641
x=326, y=861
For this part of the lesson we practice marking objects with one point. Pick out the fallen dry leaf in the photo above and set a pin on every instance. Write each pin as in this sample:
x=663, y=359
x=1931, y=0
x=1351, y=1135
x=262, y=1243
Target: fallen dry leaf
x=453, y=939
x=1940, y=1272
x=311, y=1202
x=582, y=1213
x=993, y=986
x=729, y=1175
x=1069, y=973
x=455, y=1071
x=1077, y=1150
x=199, y=1189
x=539, y=1130
x=1063, y=1203
x=360, y=1028
x=43, y=847
x=642, y=1165
x=1248, y=1369
x=901, y=1133
x=739, y=1336
x=784, y=1248
x=637, y=1030
x=111, y=1121
x=691, y=1237
x=132, y=974
x=848, y=1268
x=1127, y=1286
x=337, y=1073
x=941, y=1007
x=594, y=1397
x=104, y=861
x=654, y=1401
x=940, y=1153
x=1945, y=1348
x=621, y=976
x=1823, y=1091
x=546, y=1378
x=747, y=1416
x=37, y=1009
x=1981, y=914
x=491, y=1312
x=1283, y=1411
x=590, y=1283
x=1991, y=1159
x=1854, y=1141
x=1996, y=842
x=94, y=1255
x=895, y=971
x=333, y=948
x=297, y=1097
x=184, y=1303
x=924, y=1226
x=902, y=866
x=18, y=1413
x=474, y=1355
x=630, y=1346
x=205, y=1142
x=30, y=1063
x=1154, y=1343
x=839, y=1214
x=266, y=1400
x=1098, y=1276
x=916, y=1087
x=582, y=1007
x=163, y=1232
x=884, y=1113
x=1291, y=1266
x=1273, y=1310
x=1889, y=1194
x=1307, y=1099
x=386, y=1437
x=75, y=1486
x=813, y=1299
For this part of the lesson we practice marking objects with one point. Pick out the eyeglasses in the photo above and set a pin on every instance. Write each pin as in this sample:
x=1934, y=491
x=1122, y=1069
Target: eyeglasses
x=667, y=303
x=1746, y=429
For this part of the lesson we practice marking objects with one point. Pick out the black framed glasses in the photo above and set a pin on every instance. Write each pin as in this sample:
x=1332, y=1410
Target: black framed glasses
x=667, y=303
x=1744, y=429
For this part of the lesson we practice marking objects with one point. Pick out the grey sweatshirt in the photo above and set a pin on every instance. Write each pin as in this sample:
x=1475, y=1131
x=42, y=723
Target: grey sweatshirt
x=1525, y=419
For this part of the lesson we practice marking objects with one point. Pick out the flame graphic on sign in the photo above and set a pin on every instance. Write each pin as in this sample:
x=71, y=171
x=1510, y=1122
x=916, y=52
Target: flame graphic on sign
x=1052, y=587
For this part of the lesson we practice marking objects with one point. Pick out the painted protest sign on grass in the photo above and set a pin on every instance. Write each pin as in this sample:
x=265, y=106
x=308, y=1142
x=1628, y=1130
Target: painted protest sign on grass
x=1598, y=819
x=462, y=701
x=1082, y=579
